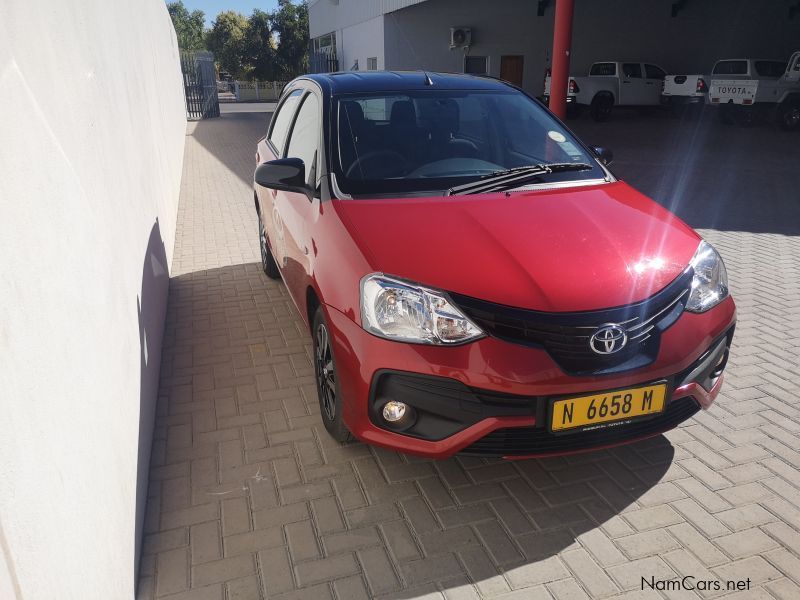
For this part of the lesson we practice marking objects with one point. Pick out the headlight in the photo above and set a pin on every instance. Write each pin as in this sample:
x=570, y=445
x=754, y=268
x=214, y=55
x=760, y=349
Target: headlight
x=401, y=311
x=710, y=283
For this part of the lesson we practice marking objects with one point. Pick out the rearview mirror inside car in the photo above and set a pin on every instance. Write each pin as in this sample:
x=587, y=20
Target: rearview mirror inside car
x=604, y=154
x=285, y=174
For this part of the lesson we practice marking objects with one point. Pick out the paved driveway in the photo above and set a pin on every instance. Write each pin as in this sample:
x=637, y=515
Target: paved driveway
x=249, y=498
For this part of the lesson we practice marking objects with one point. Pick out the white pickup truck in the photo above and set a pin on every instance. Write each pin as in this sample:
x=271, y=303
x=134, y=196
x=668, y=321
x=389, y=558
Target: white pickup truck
x=685, y=91
x=611, y=84
x=693, y=89
x=743, y=88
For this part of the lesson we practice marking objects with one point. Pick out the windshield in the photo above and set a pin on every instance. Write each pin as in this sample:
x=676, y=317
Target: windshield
x=434, y=140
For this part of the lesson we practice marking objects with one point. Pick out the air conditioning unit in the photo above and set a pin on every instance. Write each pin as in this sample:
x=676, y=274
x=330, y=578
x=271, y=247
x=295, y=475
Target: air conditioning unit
x=460, y=37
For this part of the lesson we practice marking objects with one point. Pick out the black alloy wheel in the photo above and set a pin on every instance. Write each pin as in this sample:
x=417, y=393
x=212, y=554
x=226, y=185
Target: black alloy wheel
x=330, y=403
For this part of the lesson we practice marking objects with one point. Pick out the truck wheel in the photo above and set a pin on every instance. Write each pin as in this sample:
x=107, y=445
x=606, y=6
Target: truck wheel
x=601, y=107
x=789, y=116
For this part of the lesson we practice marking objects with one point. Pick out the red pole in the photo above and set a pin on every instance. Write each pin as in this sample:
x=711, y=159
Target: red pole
x=562, y=41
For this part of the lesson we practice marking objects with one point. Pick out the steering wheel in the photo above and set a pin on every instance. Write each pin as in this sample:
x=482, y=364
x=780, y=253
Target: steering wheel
x=465, y=142
x=383, y=158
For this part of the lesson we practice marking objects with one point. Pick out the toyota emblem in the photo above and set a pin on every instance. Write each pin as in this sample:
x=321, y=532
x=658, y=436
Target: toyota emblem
x=608, y=339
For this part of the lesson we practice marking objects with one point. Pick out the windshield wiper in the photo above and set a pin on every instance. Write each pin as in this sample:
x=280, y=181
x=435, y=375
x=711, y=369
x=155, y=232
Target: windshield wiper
x=511, y=178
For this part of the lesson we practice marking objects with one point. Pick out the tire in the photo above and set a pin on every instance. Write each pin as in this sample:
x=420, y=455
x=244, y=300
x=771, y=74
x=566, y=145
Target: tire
x=601, y=107
x=268, y=263
x=326, y=377
x=789, y=115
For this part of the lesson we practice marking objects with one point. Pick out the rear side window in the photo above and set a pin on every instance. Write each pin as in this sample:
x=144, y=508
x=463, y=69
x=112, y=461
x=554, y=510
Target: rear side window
x=770, y=68
x=654, y=72
x=282, y=120
x=603, y=69
x=730, y=67
x=632, y=70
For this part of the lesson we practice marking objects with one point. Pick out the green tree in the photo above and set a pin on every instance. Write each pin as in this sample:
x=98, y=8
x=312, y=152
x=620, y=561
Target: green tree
x=188, y=26
x=259, y=46
x=290, y=24
x=227, y=40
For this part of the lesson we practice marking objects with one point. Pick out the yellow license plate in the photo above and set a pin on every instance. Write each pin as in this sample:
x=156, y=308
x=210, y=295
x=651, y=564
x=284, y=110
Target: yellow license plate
x=585, y=412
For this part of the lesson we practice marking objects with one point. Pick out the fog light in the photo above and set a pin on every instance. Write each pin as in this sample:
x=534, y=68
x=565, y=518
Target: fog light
x=720, y=366
x=394, y=411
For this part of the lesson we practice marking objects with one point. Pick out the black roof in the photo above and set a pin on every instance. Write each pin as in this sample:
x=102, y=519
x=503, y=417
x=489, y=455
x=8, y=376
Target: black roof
x=348, y=82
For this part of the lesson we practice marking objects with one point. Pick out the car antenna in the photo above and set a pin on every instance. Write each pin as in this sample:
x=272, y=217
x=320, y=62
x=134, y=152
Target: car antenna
x=428, y=80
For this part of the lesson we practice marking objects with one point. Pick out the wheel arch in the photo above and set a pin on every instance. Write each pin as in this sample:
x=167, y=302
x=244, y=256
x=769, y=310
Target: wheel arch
x=312, y=303
x=602, y=93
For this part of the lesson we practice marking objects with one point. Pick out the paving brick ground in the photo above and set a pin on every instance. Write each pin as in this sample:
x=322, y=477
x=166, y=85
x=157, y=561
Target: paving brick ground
x=249, y=498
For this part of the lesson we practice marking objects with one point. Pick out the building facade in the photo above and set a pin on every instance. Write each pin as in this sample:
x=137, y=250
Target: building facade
x=512, y=39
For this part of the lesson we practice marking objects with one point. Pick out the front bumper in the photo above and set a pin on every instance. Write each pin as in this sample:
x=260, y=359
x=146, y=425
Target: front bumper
x=469, y=397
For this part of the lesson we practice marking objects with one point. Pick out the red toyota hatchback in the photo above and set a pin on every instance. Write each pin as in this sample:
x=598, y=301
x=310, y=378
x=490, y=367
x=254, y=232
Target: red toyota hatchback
x=474, y=278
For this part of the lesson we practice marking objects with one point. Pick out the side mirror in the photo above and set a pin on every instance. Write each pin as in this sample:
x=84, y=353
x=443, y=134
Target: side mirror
x=285, y=174
x=604, y=154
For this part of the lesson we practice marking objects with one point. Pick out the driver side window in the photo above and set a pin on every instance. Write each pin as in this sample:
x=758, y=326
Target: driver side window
x=304, y=139
x=282, y=120
x=632, y=70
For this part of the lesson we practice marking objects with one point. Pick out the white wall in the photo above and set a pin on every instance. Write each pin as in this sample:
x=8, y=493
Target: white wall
x=92, y=126
x=325, y=16
x=419, y=36
x=359, y=42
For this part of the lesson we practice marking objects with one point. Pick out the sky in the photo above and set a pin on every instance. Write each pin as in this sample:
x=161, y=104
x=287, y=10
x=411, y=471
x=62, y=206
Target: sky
x=213, y=7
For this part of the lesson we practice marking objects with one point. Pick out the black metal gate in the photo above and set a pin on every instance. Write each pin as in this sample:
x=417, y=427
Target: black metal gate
x=322, y=62
x=200, y=85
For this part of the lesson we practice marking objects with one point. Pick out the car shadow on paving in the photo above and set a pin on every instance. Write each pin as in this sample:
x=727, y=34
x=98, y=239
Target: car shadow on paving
x=249, y=493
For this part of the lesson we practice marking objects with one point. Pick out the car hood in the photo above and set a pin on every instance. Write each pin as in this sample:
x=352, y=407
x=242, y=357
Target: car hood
x=553, y=250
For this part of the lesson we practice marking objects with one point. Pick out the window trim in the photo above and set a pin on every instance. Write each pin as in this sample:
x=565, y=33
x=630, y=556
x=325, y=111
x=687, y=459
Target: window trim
x=468, y=56
x=663, y=72
x=319, y=172
x=635, y=65
x=290, y=92
x=614, y=74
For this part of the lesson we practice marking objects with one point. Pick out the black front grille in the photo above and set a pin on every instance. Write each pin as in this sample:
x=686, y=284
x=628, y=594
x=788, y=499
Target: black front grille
x=566, y=336
x=538, y=441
